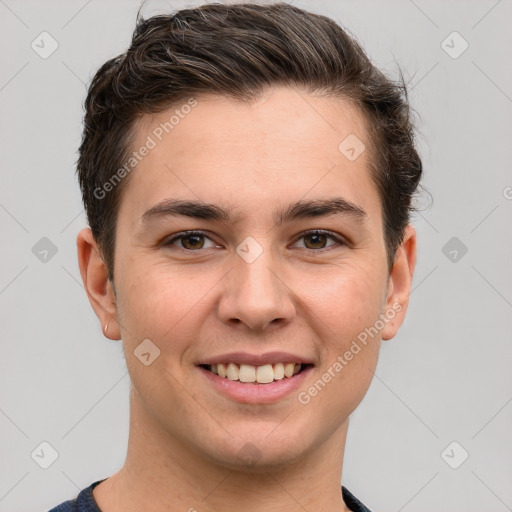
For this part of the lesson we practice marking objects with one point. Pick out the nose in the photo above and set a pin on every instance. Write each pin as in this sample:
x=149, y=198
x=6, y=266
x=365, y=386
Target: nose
x=256, y=294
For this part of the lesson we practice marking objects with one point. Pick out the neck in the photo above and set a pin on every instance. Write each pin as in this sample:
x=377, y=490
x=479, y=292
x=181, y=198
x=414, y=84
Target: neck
x=162, y=474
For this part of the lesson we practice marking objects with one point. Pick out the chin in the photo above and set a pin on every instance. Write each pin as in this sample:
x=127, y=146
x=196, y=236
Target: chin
x=256, y=454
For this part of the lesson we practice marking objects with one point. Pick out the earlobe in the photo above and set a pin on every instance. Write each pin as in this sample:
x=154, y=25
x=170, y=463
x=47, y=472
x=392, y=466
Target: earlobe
x=96, y=283
x=400, y=281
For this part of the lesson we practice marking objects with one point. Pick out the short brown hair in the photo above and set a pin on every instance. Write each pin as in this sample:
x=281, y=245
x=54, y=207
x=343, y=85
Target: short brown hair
x=237, y=51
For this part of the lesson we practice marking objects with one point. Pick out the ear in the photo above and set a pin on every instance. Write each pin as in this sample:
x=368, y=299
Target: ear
x=399, y=284
x=96, y=283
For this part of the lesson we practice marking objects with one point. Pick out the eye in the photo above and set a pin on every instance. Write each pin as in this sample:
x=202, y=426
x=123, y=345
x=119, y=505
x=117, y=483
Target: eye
x=318, y=239
x=193, y=241
x=190, y=241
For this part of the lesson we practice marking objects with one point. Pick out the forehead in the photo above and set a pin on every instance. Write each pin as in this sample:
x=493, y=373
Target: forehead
x=289, y=116
x=285, y=144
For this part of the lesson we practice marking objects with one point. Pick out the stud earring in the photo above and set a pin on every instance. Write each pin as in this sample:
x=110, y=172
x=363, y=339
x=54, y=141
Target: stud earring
x=106, y=328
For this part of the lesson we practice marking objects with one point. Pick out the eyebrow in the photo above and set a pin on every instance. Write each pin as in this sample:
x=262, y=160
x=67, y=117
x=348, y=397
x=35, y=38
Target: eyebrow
x=294, y=211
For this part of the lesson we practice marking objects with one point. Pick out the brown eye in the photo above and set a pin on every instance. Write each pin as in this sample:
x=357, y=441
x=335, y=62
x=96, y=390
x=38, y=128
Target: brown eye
x=317, y=240
x=191, y=241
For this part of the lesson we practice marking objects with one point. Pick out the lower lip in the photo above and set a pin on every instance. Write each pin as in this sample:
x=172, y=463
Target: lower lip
x=253, y=393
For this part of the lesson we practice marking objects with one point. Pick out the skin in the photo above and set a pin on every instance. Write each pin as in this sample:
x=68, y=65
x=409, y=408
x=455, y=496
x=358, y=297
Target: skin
x=184, y=435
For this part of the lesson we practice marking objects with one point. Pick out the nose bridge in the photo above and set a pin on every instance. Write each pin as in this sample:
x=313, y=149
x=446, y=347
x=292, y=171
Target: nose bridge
x=256, y=295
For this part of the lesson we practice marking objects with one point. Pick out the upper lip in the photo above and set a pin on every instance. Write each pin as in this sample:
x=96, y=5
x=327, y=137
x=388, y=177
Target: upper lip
x=256, y=359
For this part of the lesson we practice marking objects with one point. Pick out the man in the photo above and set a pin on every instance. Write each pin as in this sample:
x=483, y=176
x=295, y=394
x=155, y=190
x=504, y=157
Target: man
x=247, y=175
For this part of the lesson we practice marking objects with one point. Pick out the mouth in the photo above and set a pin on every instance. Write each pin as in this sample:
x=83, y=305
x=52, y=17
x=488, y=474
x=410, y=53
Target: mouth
x=250, y=374
x=264, y=378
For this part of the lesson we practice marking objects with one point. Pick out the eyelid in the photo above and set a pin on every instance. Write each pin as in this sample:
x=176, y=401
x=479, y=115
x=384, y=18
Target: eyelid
x=338, y=238
x=182, y=234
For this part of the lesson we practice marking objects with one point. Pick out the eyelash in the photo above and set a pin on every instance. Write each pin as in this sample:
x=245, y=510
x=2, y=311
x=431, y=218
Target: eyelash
x=186, y=234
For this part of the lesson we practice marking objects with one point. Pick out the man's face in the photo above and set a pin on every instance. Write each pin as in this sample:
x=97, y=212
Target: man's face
x=249, y=286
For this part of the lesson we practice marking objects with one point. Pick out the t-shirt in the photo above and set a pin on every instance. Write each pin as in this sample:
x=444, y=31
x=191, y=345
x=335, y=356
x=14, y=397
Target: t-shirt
x=85, y=501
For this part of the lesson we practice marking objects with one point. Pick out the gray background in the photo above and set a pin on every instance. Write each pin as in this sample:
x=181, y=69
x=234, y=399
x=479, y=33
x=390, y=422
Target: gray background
x=446, y=376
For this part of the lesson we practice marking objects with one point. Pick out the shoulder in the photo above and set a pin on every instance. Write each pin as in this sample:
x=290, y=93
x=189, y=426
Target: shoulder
x=84, y=502
x=352, y=502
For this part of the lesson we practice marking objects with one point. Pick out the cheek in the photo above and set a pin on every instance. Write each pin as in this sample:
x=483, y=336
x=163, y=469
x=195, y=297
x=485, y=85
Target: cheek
x=164, y=306
x=347, y=306
x=346, y=300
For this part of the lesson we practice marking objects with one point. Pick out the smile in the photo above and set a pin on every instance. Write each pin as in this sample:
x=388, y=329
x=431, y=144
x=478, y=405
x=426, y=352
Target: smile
x=250, y=384
x=263, y=374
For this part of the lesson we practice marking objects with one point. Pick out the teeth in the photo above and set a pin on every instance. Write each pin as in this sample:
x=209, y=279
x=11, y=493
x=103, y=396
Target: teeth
x=261, y=374
x=232, y=372
x=247, y=373
x=265, y=374
x=288, y=369
x=278, y=371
